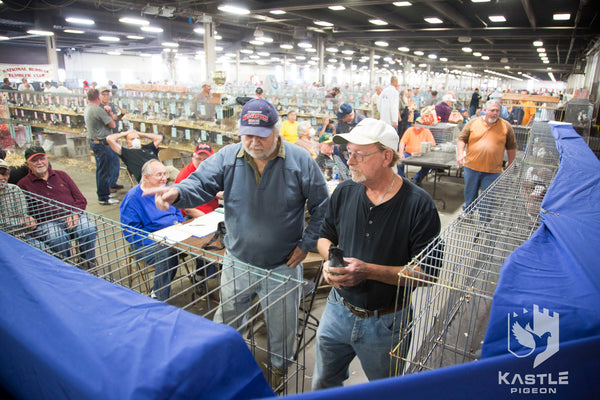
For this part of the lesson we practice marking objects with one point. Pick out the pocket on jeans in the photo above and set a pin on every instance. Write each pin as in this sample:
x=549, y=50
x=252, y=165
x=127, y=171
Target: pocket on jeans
x=387, y=322
x=334, y=297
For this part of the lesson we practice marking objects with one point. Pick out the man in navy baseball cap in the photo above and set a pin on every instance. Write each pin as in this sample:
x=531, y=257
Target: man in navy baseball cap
x=268, y=184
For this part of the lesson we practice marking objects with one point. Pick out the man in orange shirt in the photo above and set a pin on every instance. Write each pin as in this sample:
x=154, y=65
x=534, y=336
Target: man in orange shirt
x=410, y=144
x=485, y=139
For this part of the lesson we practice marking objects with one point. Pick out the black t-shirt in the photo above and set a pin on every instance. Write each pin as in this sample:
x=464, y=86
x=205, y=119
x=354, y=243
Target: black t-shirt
x=389, y=234
x=134, y=159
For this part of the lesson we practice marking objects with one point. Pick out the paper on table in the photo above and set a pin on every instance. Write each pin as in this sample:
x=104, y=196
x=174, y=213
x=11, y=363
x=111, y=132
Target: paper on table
x=198, y=227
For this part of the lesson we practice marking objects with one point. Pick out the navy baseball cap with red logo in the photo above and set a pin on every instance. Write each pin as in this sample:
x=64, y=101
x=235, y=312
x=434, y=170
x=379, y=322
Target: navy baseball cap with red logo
x=258, y=118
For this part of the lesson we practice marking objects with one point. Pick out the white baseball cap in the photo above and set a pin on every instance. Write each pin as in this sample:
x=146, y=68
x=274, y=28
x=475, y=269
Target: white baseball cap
x=448, y=97
x=369, y=131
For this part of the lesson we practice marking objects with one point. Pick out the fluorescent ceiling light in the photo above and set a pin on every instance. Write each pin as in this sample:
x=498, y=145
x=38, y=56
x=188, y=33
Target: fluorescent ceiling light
x=234, y=9
x=468, y=66
x=154, y=29
x=507, y=67
x=403, y=49
x=134, y=21
x=480, y=1
x=256, y=42
x=310, y=50
x=546, y=61
x=402, y=3
x=322, y=23
x=538, y=43
x=444, y=59
x=80, y=21
x=114, y=53
x=304, y=44
x=218, y=37
x=337, y=8
x=39, y=32
x=332, y=60
x=246, y=51
x=77, y=31
x=254, y=57
x=541, y=50
x=497, y=18
x=332, y=49
x=277, y=12
x=467, y=49
x=422, y=65
x=135, y=37
x=485, y=58
x=286, y=46
x=477, y=54
x=549, y=69
x=381, y=43
x=432, y=56
x=551, y=75
x=4, y=38
x=376, y=21
x=348, y=58
x=109, y=38
x=300, y=58
x=434, y=20
x=264, y=53
x=348, y=52
x=170, y=44
x=419, y=53
x=199, y=30
x=561, y=17
x=542, y=55
x=264, y=39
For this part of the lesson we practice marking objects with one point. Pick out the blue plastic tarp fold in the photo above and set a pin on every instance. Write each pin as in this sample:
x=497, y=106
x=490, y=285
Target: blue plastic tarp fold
x=65, y=334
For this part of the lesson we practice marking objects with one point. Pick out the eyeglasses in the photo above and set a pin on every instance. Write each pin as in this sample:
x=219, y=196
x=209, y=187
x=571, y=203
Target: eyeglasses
x=361, y=157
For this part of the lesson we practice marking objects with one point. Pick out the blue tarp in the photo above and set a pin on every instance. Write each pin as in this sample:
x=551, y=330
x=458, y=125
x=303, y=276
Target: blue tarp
x=543, y=338
x=65, y=334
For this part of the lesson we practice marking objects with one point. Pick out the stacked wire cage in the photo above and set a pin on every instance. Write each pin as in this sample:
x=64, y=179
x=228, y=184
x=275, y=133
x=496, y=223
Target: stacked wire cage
x=111, y=251
x=444, y=132
x=451, y=299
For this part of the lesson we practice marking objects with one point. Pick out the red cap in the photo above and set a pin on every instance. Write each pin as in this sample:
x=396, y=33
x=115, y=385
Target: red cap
x=203, y=148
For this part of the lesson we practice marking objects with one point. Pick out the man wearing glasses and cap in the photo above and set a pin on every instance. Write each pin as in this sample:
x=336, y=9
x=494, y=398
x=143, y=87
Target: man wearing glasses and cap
x=267, y=184
x=380, y=221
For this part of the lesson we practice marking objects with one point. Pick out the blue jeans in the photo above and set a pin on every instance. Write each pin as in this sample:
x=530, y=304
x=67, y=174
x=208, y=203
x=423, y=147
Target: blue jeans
x=239, y=285
x=472, y=110
x=102, y=155
x=58, y=237
x=115, y=169
x=165, y=263
x=475, y=180
x=418, y=176
x=342, y=335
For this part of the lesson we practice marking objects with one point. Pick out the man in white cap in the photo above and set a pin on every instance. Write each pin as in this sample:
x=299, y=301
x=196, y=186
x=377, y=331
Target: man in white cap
x=381, y=221
x=444, y=108
x=267, y=184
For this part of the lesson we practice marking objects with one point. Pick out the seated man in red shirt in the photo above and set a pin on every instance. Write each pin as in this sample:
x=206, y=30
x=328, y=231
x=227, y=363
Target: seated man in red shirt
x=201, y=152
x=411, y=143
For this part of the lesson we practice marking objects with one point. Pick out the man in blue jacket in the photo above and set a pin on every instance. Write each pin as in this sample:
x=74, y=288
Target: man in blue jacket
x=267, y=184
x=140, y=212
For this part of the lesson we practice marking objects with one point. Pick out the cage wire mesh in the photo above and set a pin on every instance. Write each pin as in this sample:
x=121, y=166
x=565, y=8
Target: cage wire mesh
x=184, y=276
x=444, y=132
x=451, y=301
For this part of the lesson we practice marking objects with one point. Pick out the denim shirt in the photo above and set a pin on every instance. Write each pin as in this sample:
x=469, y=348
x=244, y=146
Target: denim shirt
x=264, y=216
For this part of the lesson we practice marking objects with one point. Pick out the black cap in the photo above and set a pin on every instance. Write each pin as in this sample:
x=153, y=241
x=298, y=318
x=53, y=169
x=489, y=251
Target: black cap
x=34, y=151
x=259, y=90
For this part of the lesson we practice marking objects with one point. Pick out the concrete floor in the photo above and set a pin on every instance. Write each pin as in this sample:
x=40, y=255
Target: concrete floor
x=449, y=188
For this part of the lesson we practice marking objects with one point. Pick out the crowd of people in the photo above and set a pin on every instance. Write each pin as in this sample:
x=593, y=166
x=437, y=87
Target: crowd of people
x=267, y=182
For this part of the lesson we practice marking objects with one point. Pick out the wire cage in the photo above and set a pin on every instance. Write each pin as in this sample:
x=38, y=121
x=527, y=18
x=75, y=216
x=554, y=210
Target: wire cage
x=444, y=132
x=522, y=135
x=184, y=276
x=451, y=300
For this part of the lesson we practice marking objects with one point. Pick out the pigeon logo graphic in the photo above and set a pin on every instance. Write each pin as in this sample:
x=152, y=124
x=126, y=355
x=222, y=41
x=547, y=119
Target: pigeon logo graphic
x=533, y=332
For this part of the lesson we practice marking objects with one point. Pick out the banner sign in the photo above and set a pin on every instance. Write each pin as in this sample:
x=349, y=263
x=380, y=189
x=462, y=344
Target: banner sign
x=40, y=72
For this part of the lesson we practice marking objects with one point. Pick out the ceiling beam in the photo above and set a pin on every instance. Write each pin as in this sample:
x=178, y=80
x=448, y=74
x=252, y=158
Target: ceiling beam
x=529, y=12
